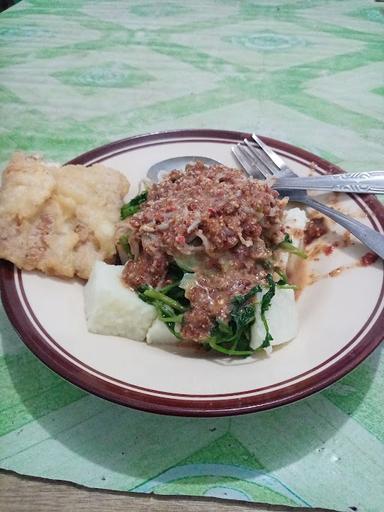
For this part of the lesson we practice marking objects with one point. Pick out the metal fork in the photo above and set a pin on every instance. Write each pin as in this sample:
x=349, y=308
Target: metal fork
x=260, y=161
x=356, y=182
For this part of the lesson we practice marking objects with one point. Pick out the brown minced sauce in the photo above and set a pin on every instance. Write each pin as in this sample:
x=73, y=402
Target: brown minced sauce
x=316, y=244
x=228, y=223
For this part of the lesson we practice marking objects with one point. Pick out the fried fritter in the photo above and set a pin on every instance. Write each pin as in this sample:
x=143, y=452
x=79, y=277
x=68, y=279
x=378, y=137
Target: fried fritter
x=59, y=220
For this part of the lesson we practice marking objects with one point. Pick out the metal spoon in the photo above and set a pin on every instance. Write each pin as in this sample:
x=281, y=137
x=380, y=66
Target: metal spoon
x=178, y=162
x=358, y=183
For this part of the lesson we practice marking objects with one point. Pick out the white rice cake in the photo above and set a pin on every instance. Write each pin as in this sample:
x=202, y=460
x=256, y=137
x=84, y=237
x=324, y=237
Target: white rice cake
x=112, y=308
x=295, y=222
x=282, y=318
x=159, y=334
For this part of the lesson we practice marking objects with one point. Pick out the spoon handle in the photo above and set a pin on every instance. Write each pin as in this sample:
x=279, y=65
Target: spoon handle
x=356, y=182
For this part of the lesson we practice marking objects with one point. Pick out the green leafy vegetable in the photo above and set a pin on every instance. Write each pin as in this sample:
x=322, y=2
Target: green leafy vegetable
x=170, y=302
x=165, y=307
x=268, y=265
x=167, y=315
x=283, y=283
x=175, y=272
x=288, y=246
x=233, y=338
x=123, y=241
x=133, y=206
x=219, y=347
x=149, y=294
x=175, y=275
x=265, y=305
x=287, y=286
x=283, y=277
x=186, y=263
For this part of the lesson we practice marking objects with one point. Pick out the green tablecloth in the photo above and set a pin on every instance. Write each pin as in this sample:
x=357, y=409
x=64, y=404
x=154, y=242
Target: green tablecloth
x=75, y=74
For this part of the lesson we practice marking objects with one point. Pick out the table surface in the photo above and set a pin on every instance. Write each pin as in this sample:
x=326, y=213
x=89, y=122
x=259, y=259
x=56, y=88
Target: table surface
x=21, y=494
x=77, y=74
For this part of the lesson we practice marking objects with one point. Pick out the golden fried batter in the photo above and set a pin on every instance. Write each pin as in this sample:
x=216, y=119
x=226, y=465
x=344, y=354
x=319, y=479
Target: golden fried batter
x=58, y=219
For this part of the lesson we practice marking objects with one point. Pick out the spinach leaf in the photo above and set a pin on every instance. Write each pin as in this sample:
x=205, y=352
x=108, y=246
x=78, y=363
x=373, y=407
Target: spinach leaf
x=175, y=275
x=283, y=283
x=283, y=277
x=150, y=295
x=170, y=304
x=133, y=206
x=240, y=300
x=287, y=238
x=265, y=305
x=175, y=272
x=233, y=338
x=288, y=246
x=167, y=315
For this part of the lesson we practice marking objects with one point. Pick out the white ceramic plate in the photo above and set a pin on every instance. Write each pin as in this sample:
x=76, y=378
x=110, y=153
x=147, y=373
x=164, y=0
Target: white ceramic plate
x=341, y=318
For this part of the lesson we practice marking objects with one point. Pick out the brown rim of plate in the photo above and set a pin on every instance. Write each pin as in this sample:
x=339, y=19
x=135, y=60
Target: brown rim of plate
x=187, y=405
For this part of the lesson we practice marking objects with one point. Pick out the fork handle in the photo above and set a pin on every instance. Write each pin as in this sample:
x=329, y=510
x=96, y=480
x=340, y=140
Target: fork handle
x=368, y=236
x=357, y=182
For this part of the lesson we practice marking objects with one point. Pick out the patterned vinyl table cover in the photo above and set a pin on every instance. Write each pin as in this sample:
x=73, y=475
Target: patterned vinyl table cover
x=75, y=74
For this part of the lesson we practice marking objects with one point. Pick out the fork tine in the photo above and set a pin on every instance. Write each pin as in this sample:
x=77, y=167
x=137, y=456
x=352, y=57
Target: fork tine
x=246, y=162
x=264, y=158
x=241, y=158
x=256, y=162
x=259, y=156
x=272, y=155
